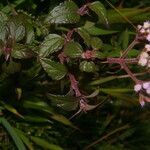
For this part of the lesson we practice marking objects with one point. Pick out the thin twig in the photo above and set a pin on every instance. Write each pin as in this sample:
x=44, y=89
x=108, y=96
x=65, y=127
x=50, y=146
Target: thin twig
x=124, y=17
x=127, y=76
x=106, y=136
x=134, y=42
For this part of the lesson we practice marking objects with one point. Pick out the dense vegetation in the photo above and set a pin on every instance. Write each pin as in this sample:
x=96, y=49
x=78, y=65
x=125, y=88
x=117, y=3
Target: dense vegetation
x=74, y=75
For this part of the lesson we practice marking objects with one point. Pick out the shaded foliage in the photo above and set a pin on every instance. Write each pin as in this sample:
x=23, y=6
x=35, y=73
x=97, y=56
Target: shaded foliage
x=54, y=70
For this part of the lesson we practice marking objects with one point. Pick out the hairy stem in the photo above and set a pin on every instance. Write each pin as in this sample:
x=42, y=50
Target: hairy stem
x=125, y=67
x=120, y=60
x=74, y=85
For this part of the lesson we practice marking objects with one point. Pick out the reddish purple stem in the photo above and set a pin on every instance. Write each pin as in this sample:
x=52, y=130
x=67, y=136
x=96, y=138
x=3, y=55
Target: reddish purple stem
x=123, y=62
x=83, y=10
x=74, y=85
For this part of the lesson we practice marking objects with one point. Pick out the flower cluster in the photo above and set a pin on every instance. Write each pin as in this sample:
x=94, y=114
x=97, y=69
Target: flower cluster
x=145, y=87
x=144, y=59
x=88, y=54
x=143, y=90
x=141, y=87
x=144, y=31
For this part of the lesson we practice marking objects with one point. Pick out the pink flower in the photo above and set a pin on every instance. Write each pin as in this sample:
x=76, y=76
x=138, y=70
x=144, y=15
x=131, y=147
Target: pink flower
x=137, y=87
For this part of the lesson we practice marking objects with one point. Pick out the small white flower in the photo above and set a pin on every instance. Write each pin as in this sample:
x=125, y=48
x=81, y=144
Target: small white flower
x=148, y=37
x=137, y=87
x=142, y=31
x=147, y=47
x=139, y=27
x=148, y=91
x=143, y=62
x=146, y=24
x=144, y=55
x=146, y=85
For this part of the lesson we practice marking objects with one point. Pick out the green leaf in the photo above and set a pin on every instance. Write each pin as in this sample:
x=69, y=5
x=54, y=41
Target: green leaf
x=126, y=98
x=125, y=42
x=3, y=17
x=3, y=32
x=64, y=13
x=100, y=10
x=54, y=69
x=96, y=43
x=37, y=104
x=73, y=49
x=11, y=67
x=87, y=66
x=45, y=144
x=19, y=93
x=30, y=35
x=3, y=29
x=21, y=51
x=16, y=28
x=93, y=30
x=33, y=71
x=51, y=44
x=13, y=134
x=66, y=102
x=94, y=94
x=24, y=138
x=103, y=80
x=141, y=18
x=99, y=55
x=85, y=35
x=63, y=119
x=130, y=13
x=133, y=53
x=124, y=39
x=37, y=119
x=114, y=90
x=8, y=8
x=12, y=110
x=29, y=24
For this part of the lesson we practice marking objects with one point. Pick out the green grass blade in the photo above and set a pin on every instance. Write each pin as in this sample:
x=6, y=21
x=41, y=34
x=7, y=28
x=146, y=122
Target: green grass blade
x=12, y=133
x=45, y=144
